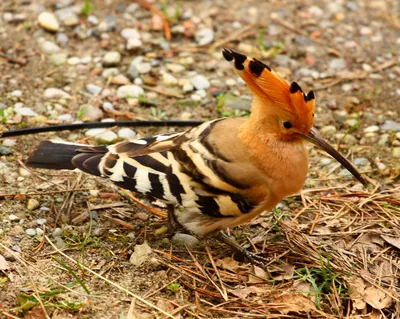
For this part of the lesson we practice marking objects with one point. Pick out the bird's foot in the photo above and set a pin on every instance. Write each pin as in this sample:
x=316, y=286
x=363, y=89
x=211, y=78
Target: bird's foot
x=254, y=258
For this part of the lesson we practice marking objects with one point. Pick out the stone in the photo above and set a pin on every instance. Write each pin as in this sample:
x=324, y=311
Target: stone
x=54, y=93
x=371, y=129
x=204, y=36
x=59, y=58
x=390, y=125
x=328, y=130
x=90, y=113
x=49, y=47
x=111, y=58
x=352, y=122
x=65, y=118
x=67, y=16
x=110, y=72
x=168, y=79
x=25, y=111
x=143, y=67
x=361, y=161
x=57, y=232
x=62, y=39
x=200, y=82
x=185, y=240
x=126, y=133
x=140, y=255
x=32, y=204
x=5, y=150
x=337, y=64
x=130, y=33
x=396, y=152
x=48, y=21
x=187, y=87
x=13, y=217
x=93, y=89
x=30, y=232
x=130, y=91
x=133, y=43
x=174, y=68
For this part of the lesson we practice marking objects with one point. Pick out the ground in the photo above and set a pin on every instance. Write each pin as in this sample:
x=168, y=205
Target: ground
x=67, y=238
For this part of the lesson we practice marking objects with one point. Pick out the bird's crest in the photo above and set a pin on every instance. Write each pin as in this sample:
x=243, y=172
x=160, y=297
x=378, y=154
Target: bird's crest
x=270, y=88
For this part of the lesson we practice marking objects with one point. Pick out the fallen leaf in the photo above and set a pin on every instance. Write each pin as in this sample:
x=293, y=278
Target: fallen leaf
x=292, y=302
x=394, y=241
x=302, y=287
x=286, y=272
x=246, y=291
x=357, y=289
x=3, y=263
x=258, y=275
x=377, y=298
x=228, y=263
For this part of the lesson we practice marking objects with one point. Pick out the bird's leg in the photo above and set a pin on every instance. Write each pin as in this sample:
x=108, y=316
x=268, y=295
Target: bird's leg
x=250, y=256
x=173, y=224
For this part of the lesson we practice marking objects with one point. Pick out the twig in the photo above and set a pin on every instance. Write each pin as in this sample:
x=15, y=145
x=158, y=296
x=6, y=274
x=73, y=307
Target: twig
x=160, y=91
x=234, y=36
x=156, y=11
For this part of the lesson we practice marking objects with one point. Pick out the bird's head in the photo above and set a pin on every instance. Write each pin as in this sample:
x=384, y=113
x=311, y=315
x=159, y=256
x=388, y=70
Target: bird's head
x=280, y=108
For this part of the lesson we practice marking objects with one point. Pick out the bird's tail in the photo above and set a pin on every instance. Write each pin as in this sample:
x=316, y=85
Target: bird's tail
x=55, y=155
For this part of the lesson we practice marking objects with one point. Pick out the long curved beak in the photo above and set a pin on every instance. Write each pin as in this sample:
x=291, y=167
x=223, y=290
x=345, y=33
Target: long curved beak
x=316, y=139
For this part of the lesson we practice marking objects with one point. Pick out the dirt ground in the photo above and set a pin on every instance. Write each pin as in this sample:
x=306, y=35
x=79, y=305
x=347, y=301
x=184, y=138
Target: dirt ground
x=66, y=238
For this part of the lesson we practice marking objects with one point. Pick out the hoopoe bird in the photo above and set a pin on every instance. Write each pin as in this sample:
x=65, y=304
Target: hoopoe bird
x=222, y=173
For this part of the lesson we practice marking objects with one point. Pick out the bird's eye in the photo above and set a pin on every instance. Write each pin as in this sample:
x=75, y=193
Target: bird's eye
x=287, y=125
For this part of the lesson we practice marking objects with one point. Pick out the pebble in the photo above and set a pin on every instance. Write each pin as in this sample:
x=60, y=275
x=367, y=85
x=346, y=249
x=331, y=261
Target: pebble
x=328, y=130
x=111, y=58
x=130, y=33
x=48, y=21
x=93, y=89
x=187, y=87
x=389, y=125
x=143, y=67
x=13, y=217
x=57, y=232
x=130, y=91
x=73, y=60
x=108, y=107
x=175, y=68
x=204, y=36
x=25, y=111
x=133, y=43
x=65, y=118
x=102, y=137
x=340, y=115
x=39, y=232
x=54, y=93
x=59, y=243
x=200, y=82
x=371, y=129
x=126, y=133
x=8, y=142
x=168, y=79
x=67, y=16
x=32, y=204
x=5, y=150
x=59, y=58
x=62, y=39
x=396, y=152
x=41, y=221
x=182, y=240
x=30, y=232
x=110, y=72
x=383, y=140
x=16, y=93
x=49, y=47
x=93, y=19
x=337, y=64
x=361, y=161
x=90, y=112
x=140, y=255
x=351, y=122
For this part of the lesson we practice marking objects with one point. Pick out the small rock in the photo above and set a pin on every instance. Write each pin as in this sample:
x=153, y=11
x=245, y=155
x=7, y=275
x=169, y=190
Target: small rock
x=140, y=255
x=102, y=137
x=126, y=133
x=57, y=232
x=337, y=64
x=32, y=204
x=39, y=232
x=361, y=161
x=41, y=221
x=48, y=21
x=25, y=111
x=73, y=60
x=67, y=16
x=49, y=47
x=204, y=36
x=351, y=122
x=340, y=115
x=183, y=240
x=130, y=91
x=133, y=43
x=5, y=150
x=200, y=82
x=93, y=19
x=110, y=72
x=108, y=107
x=396, y=152
x=8, y=142
x=130, y=33
x=143, y=67
x=59, y=243
x=93, y=89
x=120, y=79
x=371, y=129
x=169, y=79
x=175, y=68
x=54, y=93
x=111, y=58
x=13, y=217
x=90, y=113
x=16, y=93
x=62, y=39
x=390, y=126
x=30, y=232
x=328, y=130
x=65, y=118
x=59, y=58
x=383, y=139
x=142, y=216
